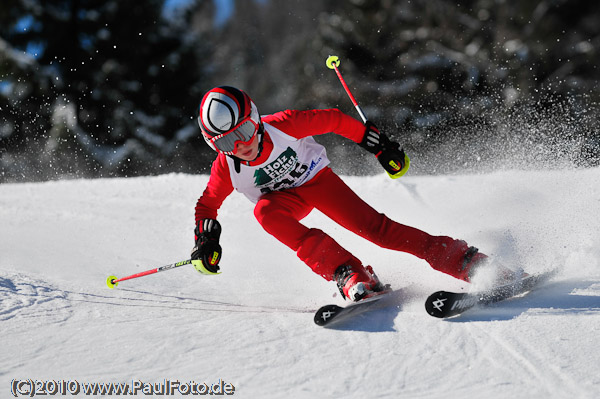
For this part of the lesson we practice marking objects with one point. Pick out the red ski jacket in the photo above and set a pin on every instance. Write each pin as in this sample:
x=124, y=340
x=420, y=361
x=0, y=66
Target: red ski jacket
x=298, y=124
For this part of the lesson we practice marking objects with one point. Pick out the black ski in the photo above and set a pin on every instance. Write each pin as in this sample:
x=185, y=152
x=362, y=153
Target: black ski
x=444, y=304
x=329, y=315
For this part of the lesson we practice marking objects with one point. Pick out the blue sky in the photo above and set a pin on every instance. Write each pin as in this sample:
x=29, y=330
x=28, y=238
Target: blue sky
x=223, y=12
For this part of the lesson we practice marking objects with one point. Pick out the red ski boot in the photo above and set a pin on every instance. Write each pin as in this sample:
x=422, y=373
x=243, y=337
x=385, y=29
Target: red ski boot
x=356, y=282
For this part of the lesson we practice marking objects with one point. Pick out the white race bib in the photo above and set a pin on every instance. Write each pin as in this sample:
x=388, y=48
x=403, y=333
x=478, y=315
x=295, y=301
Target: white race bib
x=292, y=163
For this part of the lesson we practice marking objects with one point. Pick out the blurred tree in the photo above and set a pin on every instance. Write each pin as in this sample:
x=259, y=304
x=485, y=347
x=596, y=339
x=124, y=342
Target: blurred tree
x=118, y=80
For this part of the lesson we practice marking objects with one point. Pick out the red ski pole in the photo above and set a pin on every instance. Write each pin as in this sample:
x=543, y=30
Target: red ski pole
x=333, y=62
x=113, y=281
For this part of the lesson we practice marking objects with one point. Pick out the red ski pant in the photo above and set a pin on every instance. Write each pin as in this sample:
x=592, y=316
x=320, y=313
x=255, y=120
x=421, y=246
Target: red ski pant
x=280, y=212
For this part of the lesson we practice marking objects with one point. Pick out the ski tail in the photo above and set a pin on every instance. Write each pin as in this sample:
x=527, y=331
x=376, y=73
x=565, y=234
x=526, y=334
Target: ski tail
x=443, y=304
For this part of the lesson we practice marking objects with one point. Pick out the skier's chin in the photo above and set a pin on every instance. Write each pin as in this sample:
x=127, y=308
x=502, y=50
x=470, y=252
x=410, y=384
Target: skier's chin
x=247, y=152
x=248, y=155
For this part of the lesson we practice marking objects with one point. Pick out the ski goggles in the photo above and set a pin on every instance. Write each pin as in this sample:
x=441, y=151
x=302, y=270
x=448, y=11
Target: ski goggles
x=242, y=133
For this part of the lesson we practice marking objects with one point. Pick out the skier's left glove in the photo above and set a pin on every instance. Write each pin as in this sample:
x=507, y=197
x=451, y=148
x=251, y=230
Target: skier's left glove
x=206, y=254
x=388, y=153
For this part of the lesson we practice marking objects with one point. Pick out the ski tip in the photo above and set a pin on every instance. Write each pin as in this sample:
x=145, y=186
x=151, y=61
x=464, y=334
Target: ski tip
x=435, y=305
x=112, y=282
x=326, y=313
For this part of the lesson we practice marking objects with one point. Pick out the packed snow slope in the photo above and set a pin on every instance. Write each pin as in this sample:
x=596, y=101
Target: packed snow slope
x=252, y=326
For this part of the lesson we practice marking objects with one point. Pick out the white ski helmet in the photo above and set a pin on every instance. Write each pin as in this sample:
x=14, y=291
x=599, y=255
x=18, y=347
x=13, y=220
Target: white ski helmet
x=227, y=116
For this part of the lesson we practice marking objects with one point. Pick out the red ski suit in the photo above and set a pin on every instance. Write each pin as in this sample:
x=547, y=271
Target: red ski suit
x=280, y=212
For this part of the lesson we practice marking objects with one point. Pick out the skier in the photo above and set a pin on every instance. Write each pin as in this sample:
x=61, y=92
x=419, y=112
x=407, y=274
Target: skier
x=276, y=163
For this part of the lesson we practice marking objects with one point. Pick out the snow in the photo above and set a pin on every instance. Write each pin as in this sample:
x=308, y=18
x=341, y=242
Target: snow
x=252, y=325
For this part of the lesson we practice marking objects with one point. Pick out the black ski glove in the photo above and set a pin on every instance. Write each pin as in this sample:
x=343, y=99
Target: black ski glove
x=388, y=153
x=206, y=254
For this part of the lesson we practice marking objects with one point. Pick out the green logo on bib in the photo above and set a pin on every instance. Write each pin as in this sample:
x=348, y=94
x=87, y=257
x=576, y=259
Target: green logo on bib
x=277, y=169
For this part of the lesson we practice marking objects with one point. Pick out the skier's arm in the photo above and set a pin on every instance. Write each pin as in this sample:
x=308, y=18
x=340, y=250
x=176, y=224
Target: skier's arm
x=301, y=124
x=206, y=254
x=218, y=188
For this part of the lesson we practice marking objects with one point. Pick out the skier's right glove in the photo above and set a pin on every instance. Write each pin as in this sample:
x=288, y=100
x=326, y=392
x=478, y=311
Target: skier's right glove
x=388, y=153
x=206, y=254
